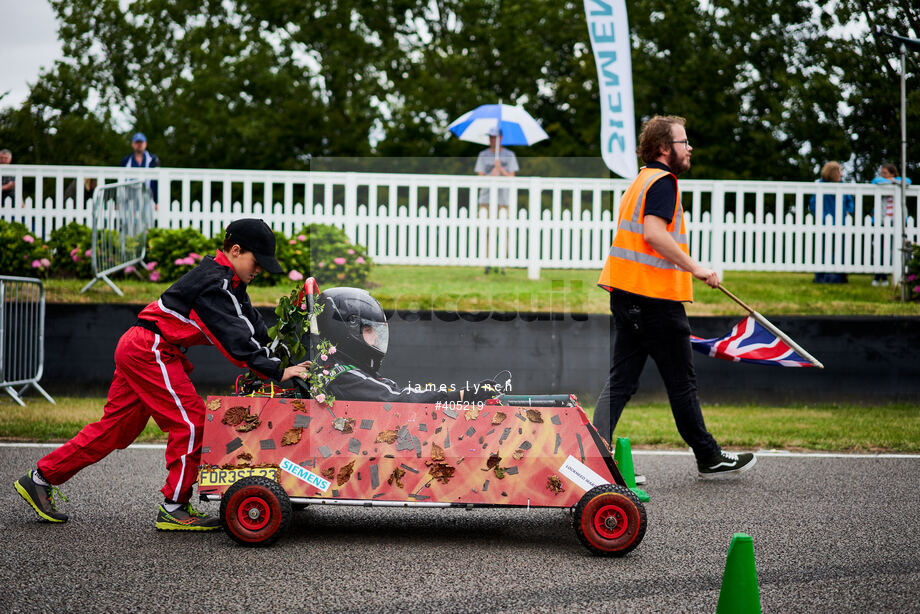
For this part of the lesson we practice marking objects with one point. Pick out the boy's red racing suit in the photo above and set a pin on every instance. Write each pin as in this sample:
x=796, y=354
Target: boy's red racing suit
x=208, y=305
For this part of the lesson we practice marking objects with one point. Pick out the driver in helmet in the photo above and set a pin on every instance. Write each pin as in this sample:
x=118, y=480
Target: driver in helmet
x=353, y=321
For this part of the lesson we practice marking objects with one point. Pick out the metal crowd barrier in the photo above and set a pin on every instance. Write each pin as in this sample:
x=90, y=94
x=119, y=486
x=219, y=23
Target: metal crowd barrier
x=22, y=335
x=122, y=214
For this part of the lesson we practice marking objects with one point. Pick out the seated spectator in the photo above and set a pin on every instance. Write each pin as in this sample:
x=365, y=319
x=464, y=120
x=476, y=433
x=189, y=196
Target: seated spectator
x=887, y=175
x=831, y=173
x=7, y=183
x=89, y=187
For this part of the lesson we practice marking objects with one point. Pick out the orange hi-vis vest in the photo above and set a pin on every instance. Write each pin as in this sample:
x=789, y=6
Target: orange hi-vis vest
x=632, y=265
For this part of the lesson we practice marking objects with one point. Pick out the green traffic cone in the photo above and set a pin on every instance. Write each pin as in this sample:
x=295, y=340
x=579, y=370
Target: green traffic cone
x=623, y=457
x=739, y=594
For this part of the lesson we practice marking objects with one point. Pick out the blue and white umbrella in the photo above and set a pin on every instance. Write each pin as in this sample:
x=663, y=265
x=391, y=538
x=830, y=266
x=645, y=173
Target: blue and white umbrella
x=517, y=126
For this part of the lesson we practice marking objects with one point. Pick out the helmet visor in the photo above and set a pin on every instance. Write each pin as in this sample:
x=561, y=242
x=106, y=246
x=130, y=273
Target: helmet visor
x=376, y=334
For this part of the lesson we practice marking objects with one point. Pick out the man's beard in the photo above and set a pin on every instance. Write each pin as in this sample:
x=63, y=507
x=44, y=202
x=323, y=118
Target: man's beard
x=674, y=162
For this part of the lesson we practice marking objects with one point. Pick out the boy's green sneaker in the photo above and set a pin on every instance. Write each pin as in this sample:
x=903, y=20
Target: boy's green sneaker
x=186, y=518
x=41, y=498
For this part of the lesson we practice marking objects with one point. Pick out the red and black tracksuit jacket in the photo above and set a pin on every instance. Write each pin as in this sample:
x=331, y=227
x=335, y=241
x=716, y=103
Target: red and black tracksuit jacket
x=209, y=306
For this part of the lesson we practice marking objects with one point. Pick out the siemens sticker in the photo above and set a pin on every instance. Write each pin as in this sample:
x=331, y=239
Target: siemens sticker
x=304, y=474
x=609, y=33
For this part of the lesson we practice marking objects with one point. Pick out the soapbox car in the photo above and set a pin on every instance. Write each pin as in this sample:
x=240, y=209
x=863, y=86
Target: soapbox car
x=263, y=457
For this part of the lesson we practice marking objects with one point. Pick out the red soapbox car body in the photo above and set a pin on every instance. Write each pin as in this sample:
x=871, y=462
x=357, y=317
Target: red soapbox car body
x=264, y=457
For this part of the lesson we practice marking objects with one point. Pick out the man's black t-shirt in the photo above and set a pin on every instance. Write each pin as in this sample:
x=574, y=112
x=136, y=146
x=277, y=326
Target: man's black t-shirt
x=659, y=201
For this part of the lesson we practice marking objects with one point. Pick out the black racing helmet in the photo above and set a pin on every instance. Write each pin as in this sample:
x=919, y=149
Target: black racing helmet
x=346, y=313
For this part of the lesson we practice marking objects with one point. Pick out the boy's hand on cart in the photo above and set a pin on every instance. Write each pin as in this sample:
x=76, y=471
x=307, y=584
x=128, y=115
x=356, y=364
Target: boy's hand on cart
x=300, y=370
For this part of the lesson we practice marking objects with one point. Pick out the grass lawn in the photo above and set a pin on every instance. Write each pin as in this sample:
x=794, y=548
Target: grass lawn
x=850, y=428
x=39, y=420
x=456, y=288
x=853, y=428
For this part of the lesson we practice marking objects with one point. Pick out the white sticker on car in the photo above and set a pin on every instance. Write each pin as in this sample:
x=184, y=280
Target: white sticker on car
x=579, y=473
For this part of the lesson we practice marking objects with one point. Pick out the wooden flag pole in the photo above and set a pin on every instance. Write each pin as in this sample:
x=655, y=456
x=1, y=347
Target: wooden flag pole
x=772, y=328
x=735, y=298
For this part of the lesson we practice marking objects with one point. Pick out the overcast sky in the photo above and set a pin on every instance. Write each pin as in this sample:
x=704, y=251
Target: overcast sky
x=28, y=43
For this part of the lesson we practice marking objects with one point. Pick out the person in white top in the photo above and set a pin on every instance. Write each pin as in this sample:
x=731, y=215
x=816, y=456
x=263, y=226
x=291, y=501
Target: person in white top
x=496, y=161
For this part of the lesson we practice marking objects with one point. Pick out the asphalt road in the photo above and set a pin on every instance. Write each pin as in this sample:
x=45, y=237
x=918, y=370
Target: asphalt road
x=830, y=535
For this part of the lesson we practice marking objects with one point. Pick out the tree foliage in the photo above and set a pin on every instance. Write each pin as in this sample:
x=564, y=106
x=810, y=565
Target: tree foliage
x=770, y=89
x=870, y=70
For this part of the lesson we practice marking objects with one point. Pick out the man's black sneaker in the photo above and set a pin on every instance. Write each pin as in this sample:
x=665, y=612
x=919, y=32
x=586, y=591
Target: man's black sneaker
x=726, y=465
x=41, y=498
x=186, y=518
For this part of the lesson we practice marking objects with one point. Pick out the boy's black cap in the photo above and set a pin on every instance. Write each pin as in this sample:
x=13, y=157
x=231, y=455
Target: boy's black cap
x=255, y=236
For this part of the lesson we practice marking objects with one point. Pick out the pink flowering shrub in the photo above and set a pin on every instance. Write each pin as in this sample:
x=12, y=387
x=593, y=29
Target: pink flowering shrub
x=21, y=253
x=913, y=273
x=171, y=253
x=317, y=250
x=326, y=253
x=71, y=246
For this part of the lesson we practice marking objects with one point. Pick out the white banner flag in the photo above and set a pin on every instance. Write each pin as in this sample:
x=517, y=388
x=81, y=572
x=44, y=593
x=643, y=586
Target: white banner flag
x=609, y=33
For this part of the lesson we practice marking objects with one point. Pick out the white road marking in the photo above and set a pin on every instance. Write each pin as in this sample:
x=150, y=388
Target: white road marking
x=761, y=453
x=28, y=444
x=783, y=454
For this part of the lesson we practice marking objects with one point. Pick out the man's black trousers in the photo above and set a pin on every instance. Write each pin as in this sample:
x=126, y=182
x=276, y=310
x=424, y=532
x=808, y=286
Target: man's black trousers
x=641, y=327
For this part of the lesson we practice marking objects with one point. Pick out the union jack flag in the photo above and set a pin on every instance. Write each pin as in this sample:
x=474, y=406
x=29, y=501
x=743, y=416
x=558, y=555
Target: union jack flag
x=749, y=341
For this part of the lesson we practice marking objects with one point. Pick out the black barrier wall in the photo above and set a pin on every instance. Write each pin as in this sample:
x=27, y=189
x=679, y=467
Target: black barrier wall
x=866, y=358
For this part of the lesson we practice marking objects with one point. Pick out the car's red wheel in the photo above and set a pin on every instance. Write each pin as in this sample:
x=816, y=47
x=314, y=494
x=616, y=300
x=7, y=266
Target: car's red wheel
x=255, y=511
x=610, y=520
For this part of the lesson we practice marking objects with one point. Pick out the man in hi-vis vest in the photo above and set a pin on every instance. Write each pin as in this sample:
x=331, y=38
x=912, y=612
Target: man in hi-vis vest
x=649, y=274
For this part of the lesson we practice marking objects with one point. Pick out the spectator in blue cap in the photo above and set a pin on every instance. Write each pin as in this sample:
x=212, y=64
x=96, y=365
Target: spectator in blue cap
x=141, y=158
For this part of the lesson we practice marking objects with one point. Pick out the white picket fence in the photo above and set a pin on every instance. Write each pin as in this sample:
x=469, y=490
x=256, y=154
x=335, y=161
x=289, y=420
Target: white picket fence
x=551, y=222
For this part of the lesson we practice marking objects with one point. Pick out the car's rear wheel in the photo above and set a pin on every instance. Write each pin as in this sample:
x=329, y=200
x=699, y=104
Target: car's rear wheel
x=610, y=520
